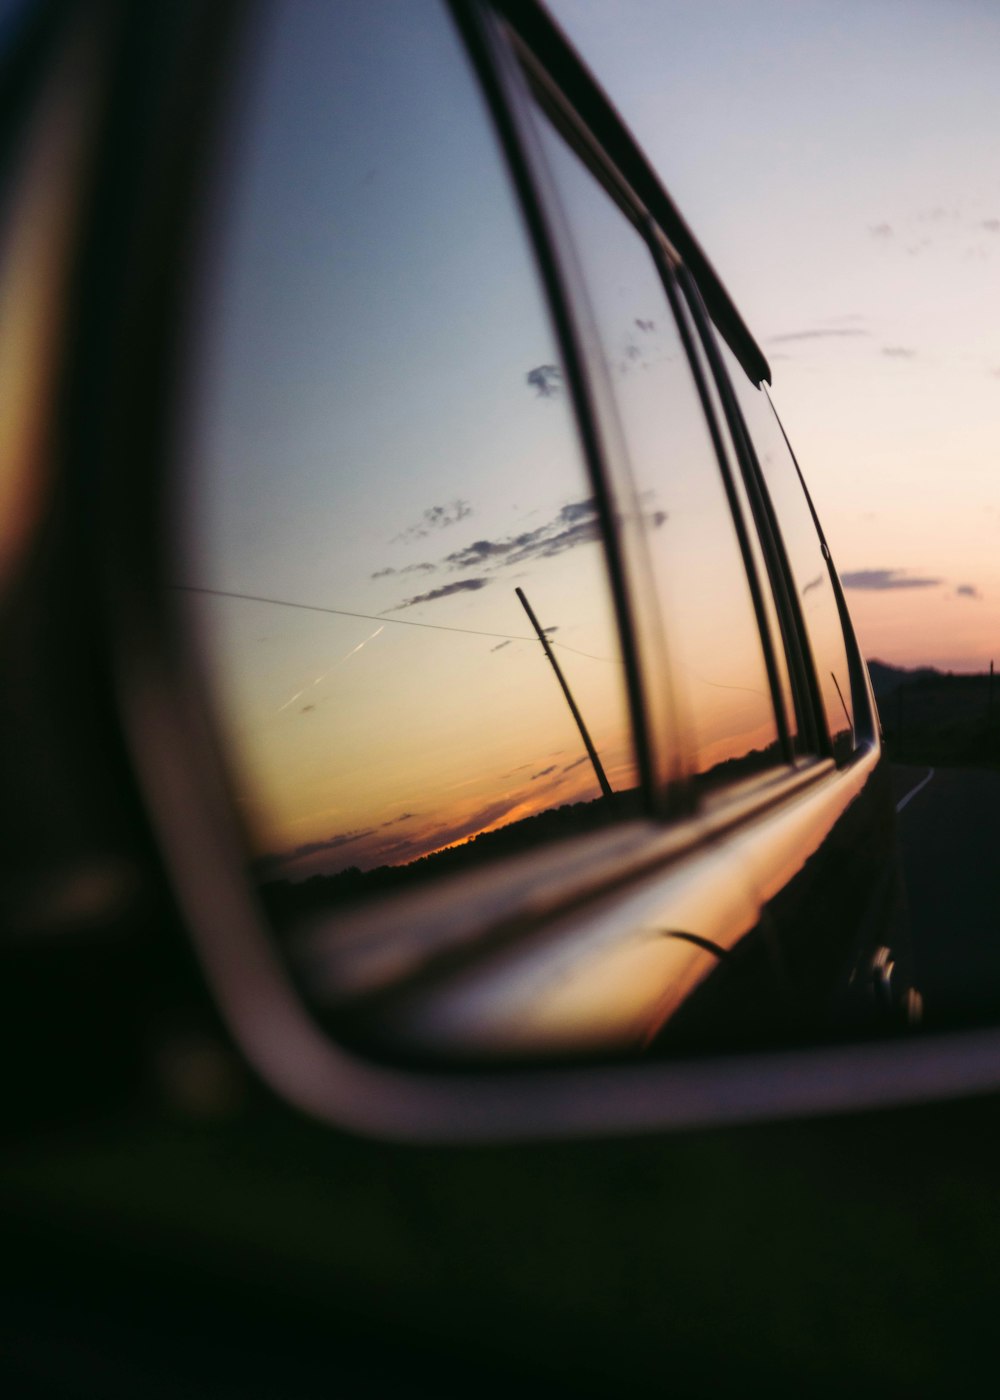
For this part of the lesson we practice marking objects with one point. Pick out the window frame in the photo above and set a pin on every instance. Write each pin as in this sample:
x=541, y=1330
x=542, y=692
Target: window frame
x=671, y=782
x=802, y=661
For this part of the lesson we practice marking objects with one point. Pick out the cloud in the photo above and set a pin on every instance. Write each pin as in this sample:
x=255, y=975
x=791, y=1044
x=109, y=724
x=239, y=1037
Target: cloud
x=333, y=843
x=546, y=380
x=471, y=826
x=819, y=333
x=306, y=708
x=465, y=585
x=394, y=821
x=544, y=773
x=435, y=518
x=576, y=523
x=408, y=569
x=575, y=764
x=968, y=590
x=898, y=352
x=816, y=582
x=880, y=230
x=500, y=646
x=991, y=225
x=878, y=580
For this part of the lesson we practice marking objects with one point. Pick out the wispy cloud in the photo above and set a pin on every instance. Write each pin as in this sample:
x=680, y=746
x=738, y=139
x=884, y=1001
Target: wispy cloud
x=407, y=569
x=878, y=580
x=819, y=333
x=546, y=380
x=500, y=646
x=435, y=518
x=898, y=352
x=991, y=225
x=968, y=590
x=333, y=843
x=465, y=585
x=574, y=524
x=880, y=230
x=544, y=773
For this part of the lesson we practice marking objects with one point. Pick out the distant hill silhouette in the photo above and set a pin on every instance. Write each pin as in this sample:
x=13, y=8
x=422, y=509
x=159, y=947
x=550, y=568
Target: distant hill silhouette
x=932, y=716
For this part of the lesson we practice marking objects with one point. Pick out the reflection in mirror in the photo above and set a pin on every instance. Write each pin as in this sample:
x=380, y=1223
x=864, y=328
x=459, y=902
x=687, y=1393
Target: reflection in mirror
x=392, y=568
x=730, y=730
x=809, y=567
x=392, y=556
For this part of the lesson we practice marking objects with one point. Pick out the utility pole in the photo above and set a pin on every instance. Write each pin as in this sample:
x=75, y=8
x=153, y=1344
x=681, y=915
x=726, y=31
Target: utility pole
x=605, y=786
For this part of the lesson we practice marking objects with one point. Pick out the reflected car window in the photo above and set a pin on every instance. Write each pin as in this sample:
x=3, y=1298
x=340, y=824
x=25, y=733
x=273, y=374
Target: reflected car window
x=715, y=648
x=383, y=476
x=798, y=741
x=809, y=567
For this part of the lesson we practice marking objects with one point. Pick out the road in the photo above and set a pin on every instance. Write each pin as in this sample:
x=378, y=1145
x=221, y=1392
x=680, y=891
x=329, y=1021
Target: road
x=949, y=830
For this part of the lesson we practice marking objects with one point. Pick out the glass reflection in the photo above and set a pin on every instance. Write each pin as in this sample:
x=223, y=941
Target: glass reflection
x=730, y=730
x=381, y=459
x=810, y=570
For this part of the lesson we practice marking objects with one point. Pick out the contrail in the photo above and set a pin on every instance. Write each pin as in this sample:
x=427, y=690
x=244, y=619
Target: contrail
x=361, y=644
x=299, y=693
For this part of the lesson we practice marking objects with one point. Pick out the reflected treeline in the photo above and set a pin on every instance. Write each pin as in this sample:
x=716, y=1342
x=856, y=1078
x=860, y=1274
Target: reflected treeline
x=736, y=770
x=286, y=900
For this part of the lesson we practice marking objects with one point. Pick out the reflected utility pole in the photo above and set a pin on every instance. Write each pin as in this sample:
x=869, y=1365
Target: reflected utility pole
x=588, y=745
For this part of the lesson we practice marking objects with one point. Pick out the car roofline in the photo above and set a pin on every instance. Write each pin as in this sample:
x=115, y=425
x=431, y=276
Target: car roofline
x=553, y=50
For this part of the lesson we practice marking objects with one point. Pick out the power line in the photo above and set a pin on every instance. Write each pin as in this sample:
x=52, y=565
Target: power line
x=372, y=617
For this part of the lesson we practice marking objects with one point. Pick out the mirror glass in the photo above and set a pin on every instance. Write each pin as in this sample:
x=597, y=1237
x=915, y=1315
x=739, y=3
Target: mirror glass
x=401, y=579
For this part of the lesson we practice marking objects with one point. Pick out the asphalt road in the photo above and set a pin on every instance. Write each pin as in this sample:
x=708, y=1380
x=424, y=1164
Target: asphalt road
x=949, y=831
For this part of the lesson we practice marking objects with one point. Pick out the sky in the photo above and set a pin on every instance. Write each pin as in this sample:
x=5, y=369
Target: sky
x=839, y=164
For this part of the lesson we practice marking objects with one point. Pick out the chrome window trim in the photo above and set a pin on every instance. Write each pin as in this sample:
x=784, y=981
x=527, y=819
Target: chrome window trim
x=862, y=694
x=798, y=652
